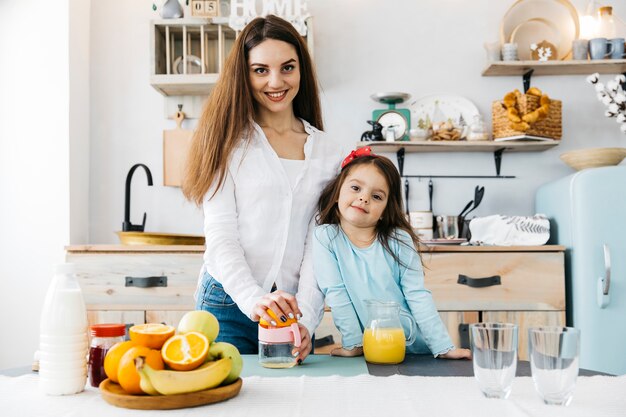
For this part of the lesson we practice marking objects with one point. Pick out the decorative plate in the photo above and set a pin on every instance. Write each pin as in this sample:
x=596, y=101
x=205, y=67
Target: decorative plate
x=115, y=395
x=534, y=31
x=561, y=13
x=452, y=106
x=194, y=65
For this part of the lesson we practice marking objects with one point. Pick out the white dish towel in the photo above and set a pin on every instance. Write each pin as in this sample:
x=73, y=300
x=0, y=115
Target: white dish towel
x=510, y=230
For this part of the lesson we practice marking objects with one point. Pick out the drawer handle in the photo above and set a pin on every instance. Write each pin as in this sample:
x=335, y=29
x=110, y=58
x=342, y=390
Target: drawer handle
x=146, y=282
x=479, y=282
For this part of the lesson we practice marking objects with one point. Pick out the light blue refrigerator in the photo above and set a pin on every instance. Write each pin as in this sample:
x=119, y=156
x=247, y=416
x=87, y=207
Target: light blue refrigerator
x=587, y=212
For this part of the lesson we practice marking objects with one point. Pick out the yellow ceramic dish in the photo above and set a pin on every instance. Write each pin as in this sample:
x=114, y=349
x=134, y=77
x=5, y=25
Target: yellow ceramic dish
x=145, y=238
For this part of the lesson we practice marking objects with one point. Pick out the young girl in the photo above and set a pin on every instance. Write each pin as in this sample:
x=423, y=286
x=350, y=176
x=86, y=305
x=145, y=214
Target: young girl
x=364, y=248
x=257, y=164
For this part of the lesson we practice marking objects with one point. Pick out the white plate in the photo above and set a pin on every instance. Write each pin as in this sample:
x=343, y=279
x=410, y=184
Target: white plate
x=534, y=31
x=194, y=65
x=451, y=105
x=560, y=12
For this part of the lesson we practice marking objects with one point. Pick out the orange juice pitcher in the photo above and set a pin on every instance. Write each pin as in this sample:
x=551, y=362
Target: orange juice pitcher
x=384, y=341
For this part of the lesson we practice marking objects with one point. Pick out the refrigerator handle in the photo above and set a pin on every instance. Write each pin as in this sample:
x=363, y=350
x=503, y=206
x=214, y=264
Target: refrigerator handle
x=604, y=283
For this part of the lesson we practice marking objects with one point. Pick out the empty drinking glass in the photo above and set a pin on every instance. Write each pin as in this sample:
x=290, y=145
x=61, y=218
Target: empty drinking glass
x=494, y=353
x=554, y=362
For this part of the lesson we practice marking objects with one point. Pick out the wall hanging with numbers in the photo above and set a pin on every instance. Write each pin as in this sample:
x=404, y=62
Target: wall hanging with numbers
x=205, y=8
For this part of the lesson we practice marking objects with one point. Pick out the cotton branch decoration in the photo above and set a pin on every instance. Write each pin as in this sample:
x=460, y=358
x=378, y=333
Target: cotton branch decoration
x=612, y=95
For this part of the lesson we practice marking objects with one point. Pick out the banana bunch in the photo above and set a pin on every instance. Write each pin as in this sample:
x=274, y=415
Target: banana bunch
x=167, y=382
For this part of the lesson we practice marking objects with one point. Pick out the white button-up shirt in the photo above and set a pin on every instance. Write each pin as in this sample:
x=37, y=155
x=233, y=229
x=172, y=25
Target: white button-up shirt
x=259, y=231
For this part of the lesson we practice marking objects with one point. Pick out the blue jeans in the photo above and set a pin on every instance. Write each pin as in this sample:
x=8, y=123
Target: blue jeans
x=235, y=327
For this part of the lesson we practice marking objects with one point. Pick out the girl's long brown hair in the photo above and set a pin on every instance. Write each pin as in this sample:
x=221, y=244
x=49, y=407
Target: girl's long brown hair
x=229, y=112
x=393, y=216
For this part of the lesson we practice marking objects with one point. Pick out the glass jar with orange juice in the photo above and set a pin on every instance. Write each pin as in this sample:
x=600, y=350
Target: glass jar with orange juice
x=384, y=341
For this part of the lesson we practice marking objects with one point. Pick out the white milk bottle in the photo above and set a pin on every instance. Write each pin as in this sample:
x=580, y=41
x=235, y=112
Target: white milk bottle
x=63, y=342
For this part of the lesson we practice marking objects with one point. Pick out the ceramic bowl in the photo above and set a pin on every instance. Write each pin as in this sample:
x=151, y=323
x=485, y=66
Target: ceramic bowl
x=593, y=157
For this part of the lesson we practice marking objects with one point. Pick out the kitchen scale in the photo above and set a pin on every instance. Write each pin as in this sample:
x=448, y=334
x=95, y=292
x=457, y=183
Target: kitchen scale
x=395, y=122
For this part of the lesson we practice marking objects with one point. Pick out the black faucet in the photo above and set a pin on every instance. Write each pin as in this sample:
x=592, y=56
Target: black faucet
x=127, y=226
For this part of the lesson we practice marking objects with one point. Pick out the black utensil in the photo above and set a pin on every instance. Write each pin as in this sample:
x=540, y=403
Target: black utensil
x=478, y=197
x=430, y=194
x=406, y=194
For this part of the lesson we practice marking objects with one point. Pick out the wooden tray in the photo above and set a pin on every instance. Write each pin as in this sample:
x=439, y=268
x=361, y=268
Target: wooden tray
x=115, y=395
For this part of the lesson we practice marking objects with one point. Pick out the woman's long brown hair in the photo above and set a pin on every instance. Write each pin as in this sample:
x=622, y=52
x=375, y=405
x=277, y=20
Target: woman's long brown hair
x=393, y=217
x=229, y=112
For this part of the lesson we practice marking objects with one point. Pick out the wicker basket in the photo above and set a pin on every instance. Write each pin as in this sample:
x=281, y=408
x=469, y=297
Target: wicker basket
x=550, y=127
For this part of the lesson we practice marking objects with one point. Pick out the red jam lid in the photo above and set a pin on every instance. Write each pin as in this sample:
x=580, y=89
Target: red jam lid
x=108, y=330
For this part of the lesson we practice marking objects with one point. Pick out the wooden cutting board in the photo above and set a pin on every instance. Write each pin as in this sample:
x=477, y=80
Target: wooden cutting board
x=175, y=147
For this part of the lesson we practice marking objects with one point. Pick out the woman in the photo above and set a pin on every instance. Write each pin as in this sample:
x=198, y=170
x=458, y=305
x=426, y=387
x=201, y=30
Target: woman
x=257, y=164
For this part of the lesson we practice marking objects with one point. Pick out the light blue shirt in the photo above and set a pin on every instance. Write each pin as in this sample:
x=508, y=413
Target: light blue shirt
x=348, y=275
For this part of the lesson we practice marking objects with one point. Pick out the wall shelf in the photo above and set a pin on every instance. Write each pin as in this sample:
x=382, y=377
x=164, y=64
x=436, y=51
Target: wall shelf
x=208, y=39
x=602, y=66
x=498, y=148
x=460, y=146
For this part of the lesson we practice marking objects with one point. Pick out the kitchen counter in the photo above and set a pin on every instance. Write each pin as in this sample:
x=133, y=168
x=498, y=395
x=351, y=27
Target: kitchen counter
x=297, y=392
x=104, y=248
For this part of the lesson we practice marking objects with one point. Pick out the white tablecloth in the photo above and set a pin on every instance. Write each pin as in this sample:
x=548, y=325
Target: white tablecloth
x=363, y=395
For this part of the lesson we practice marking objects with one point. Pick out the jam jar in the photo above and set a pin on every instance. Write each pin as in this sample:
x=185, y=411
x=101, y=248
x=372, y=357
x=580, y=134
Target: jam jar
x=277, y=344
x=103, y=337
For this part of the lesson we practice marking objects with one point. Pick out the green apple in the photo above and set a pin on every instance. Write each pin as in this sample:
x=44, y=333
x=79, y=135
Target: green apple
x=219, y=350
x=199, y=321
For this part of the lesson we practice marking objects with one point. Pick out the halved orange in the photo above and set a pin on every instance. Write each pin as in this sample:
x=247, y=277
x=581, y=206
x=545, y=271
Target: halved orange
x=185, y=352
x=279, y=323
x=151, y=335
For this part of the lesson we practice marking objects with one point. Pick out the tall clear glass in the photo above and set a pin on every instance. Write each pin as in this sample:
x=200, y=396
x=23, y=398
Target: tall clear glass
x=494, y=357
x=554, y=355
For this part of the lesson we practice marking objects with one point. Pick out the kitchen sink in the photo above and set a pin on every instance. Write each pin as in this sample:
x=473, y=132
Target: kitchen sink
x=148, y=238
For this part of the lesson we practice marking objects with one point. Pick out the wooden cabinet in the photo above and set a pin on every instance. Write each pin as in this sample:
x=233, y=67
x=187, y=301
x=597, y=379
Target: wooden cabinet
x=529, y=290
x=521, y=285
x=126, y=284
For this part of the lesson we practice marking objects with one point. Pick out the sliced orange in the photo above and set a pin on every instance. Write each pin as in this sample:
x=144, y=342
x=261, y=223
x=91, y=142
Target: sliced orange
x=151, y=335
x=113, y=356
x=185, y=352
x=127, y=372
x=279, y=323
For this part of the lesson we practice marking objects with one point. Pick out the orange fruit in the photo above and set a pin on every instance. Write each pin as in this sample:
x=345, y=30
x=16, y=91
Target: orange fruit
x=113, y=356
x=185, y=352
x=279, y=323
x=151, y=335
x=127, y=373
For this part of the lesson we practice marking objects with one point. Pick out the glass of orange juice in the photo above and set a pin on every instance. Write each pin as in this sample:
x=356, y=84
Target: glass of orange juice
x=384, y=341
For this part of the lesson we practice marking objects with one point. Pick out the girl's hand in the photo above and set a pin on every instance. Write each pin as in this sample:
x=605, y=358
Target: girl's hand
x=280, y=302
x=347, y=353
x=302, y=351
x=457, y=354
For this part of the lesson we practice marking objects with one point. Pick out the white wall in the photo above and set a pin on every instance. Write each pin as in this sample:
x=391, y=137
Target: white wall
x=362, y=47
x=34, y=165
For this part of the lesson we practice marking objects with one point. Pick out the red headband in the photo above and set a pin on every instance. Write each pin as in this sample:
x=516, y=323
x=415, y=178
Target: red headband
x=365, y=151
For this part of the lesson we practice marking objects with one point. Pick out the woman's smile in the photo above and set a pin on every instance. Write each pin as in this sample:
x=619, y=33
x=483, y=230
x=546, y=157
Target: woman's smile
x=276, y=96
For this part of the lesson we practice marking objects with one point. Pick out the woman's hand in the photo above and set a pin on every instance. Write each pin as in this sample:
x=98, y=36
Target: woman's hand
x=280, y=302
x=457, y=354
x=347, y=353
x=302, y=351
